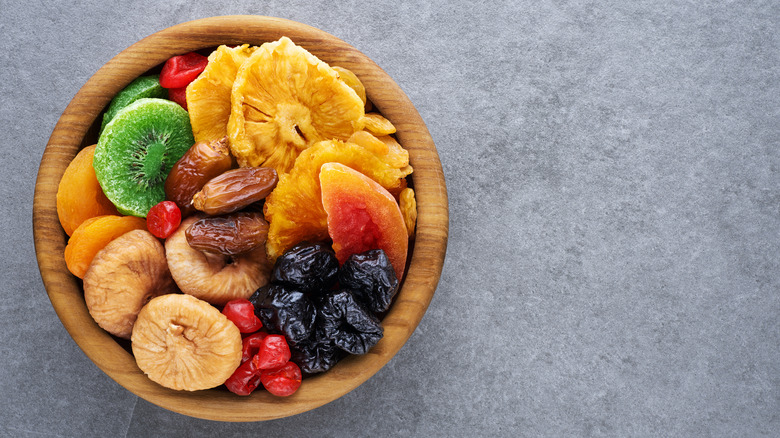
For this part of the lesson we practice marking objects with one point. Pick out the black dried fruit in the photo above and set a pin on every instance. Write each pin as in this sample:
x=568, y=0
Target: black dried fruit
x=316, y=356
x=306, y=267
x=287, y=312
x=350, y=325
x=371, y=277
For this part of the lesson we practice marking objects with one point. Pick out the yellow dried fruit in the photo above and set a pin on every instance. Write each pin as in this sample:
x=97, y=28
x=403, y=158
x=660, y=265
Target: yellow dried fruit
x=377, y=124
x=284, y=100
x=294, y=209
x=352, y=80
x=408, y=205
x=208, y=96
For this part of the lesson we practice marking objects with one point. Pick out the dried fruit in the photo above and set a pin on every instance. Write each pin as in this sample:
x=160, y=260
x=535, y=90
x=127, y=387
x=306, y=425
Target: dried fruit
x=273, y=353
x=306, y=267
x=244, y=380
x=232, y=234
x=215, y=278
x=371, y=278
x=287, y=312
x=93, y=235
x=242, y=313
x=163, y=219
x=178, y=71
x=316, y=356
x=362, y=215
x=377, y=124
x=235, y=189
x=294, y=210
x=79, y=195
x=202, y=162
x=349, y=78
x=208, y=96
x=408, y=204
x=184, y=343
x=351, y=326
x=123, y=277
x=282, y=381
x=284, y=100
x=144, y=86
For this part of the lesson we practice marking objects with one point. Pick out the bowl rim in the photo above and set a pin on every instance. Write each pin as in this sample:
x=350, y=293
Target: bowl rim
x=68, y=137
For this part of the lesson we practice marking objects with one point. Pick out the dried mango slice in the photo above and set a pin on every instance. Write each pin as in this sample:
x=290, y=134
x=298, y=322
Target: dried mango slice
x=294, y=209
x=208, y=96
x=284, y=100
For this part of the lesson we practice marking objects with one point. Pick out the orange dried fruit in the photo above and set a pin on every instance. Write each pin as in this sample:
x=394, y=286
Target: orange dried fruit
x=352, y=80
x=208, y=96
x=378, y=124
x=294, y=209
x=284, y=100
x=79, y=195
x=93, y=235
x=408, y=204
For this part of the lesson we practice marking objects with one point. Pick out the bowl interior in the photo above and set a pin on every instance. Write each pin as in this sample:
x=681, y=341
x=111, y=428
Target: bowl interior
x=77, y=127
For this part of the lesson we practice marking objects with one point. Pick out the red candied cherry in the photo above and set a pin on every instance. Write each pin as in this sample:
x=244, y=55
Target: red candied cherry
x=244, y=379
x=163, y=219
x=180, y=70
x=282, y=381
x=178, y=95
x=251, y=345
x=242, y=313
x=273, y=353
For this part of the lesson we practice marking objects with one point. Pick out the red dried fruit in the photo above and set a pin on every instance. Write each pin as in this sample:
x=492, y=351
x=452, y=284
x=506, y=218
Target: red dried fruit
x=273, y=353
x=180, y=70
x=282, y=381
x=242, y=313
x=244, y=379
x=163, y=219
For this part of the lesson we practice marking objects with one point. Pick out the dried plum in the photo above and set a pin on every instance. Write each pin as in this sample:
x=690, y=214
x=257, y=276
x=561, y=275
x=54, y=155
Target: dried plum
x=346, y=321
x=307, y=267
x=316, y=356
x=287, y=312
x=372, y=278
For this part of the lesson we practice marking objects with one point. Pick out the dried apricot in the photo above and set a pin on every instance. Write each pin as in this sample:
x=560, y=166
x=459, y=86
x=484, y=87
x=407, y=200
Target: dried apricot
x=93, y=235
x=79, y=196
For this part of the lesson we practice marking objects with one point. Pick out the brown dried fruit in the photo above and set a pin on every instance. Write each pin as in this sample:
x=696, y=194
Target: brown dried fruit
x=215, y=278
x=235, y=189
x=123, y=277
x=202, y=162
x=231, y=234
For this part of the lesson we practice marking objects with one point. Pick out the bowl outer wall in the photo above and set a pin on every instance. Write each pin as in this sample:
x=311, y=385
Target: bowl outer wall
x=68, y=137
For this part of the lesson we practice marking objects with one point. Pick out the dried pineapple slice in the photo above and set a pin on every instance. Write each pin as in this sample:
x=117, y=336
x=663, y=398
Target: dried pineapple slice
x=284, y=100
x=408, y=204
x=352, y=80
x=294, y=209
x=208, y=96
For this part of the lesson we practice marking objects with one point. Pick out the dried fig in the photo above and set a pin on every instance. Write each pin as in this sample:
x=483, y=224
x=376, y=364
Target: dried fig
x=124, y=276
x=184, y=343
x=216, y=278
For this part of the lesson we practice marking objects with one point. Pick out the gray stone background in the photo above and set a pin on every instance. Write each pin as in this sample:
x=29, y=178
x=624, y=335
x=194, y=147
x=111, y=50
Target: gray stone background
x=614, y=185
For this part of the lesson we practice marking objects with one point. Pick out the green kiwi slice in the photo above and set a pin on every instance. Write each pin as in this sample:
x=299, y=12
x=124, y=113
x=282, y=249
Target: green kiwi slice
x=145, y=86
x=137, y=150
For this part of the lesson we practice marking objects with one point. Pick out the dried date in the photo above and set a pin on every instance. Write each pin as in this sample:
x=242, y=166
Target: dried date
x=231, y=234
x=235, y=189
x=202, y=162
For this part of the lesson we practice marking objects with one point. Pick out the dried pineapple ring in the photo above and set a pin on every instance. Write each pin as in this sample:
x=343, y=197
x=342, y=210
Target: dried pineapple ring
x=208, y=96
x=376, y=124
x=294, y=209
x=284, y=99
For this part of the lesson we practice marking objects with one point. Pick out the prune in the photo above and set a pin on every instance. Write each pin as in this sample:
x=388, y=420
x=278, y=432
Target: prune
x=350, y=325
x=287, y=312
x=372, y=279
x=316, y=356
x=308, y=267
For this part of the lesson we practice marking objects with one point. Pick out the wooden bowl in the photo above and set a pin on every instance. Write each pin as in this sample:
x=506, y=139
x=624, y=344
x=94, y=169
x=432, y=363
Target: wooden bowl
x=77, y=128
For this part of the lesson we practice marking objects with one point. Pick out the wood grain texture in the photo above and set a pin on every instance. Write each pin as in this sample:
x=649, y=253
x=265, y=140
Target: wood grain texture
x=76, y=128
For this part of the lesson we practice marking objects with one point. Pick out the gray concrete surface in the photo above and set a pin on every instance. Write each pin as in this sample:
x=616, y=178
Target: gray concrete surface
x=614, y=179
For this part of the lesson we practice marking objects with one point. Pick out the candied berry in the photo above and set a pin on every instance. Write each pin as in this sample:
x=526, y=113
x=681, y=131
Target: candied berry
x=273, y=353
x=287, y=312
x=242, y=313
x=251, y=345
x=244, y=379
x=306, y=267
x=350, y=325
x=316, y=356
x=282, y=381
x=371, y=277
x=163, y=219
